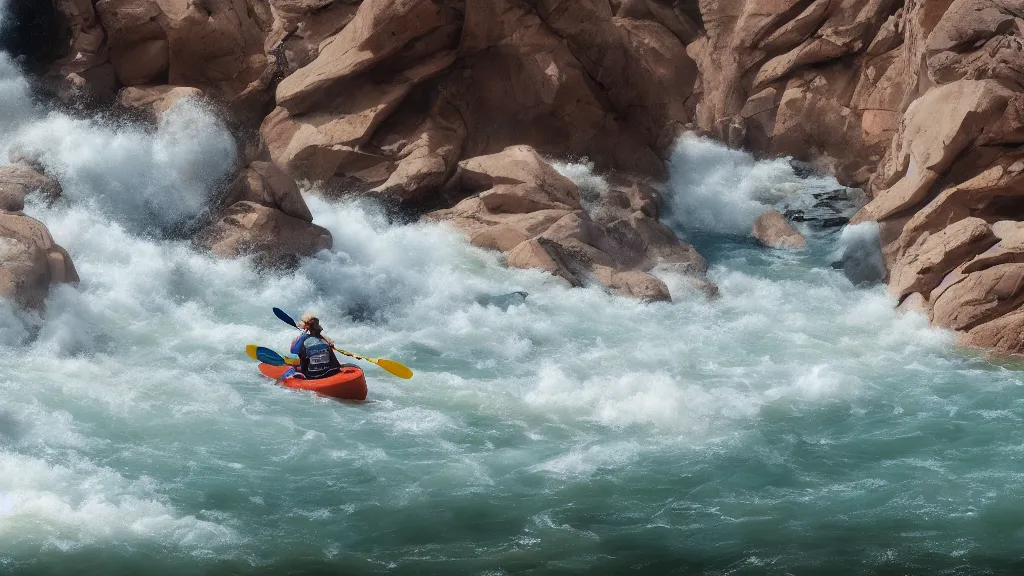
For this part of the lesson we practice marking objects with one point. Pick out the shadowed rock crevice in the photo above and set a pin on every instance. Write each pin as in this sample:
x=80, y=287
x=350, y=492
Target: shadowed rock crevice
x=30, y=31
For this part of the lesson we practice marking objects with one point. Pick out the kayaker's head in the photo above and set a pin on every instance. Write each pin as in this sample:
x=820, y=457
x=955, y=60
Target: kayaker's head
x=310, y=323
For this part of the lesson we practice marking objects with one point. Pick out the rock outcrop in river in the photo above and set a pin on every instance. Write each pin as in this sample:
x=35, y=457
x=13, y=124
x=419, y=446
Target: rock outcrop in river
x=919, y=102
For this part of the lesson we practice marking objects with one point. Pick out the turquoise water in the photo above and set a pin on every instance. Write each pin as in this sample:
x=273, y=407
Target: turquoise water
x=797, y=425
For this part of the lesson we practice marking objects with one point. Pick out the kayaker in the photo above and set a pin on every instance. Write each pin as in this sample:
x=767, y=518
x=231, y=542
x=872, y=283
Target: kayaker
x=315, y=352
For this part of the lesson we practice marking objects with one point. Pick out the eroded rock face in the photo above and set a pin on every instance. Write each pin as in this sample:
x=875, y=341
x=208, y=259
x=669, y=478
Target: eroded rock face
x=520, y=205
x=918, y=102
x=273, y=237
x=154, y=101
x=265, y=184
x=30, y=261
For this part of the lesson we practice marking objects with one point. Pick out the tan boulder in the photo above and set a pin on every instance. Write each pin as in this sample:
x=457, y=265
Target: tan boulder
x=316, y=144
x=301, y=26
x=30, y=261
x=915, y=302
x=542, y=254
x=265, y=184
x=83, y=73
x=930, y=142
x=379, y=29
x=773, y=230
x=427, y=156
x=1000, y=183
x=980, y=297
x=137, y=41
x=642, y=198
x=19, y=180
x=273, y=237
x=643, y=68
x=518, y=180
x=632, y=284
x=216, y=45
x=519, y=83
x=922, y=267
x=1004, y=334
x=1008, y=250
x=976, y=40
x=519, y=204
x=155, y=101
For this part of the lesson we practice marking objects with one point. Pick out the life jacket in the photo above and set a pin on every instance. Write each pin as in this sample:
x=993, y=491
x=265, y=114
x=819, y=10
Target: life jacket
x=317, y=359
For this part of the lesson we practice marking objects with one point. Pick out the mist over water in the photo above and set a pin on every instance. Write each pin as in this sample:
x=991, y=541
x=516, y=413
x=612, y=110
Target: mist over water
x=796, y=424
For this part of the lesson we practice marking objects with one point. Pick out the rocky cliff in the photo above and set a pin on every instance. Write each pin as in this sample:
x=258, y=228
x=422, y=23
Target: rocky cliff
x=450, y=106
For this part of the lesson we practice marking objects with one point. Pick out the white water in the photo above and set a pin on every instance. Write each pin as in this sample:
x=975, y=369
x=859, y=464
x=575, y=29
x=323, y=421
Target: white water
x=560, y=429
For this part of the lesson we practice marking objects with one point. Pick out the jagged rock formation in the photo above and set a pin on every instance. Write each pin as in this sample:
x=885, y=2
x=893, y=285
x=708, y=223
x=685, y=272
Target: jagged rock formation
x=521, y=205
x=919, y=102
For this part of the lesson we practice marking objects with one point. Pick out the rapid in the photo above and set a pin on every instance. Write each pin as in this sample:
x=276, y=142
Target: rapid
x=796, y=424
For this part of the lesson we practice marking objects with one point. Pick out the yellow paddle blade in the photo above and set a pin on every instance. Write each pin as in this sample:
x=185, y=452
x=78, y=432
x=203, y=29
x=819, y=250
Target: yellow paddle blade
x=394, y=367
x=250, y=351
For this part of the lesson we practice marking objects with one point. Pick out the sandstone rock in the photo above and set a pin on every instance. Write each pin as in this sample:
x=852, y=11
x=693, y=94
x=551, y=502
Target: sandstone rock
x=315, y=145
x=928, y=145
x=521, y=84
x=216, y=45
x=19, y=180
x=644, y=199
x=980, y=297
x=915, y=302
x=1004, y=334
x=518, y=180
x=976, y=40
x=1009, y=249
x=276, y=239
x=427, y=157
x=542, y=254
x=633, y=284
x=154, y=101
x=521, y=205
x=999, y=184
x=84, y=70
x=773, y=230
x=642, y=66
x=379, y=29
x=30, y=261
x=922, y=267
x=137, y=42
x=265, y=184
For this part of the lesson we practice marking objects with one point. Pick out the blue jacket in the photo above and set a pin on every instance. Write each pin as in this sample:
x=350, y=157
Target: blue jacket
x=316, y=356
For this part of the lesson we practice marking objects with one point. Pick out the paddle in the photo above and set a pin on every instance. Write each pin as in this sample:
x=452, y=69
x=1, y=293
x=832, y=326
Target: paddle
x=268, y=356
x=389, y=365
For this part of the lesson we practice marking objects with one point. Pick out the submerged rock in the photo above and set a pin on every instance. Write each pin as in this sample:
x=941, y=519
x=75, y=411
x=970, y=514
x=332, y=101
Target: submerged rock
x=862, y=261
x=774, y=231
x=503, y=301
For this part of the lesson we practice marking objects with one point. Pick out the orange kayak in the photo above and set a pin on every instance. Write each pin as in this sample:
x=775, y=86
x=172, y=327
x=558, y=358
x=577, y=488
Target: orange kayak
x=349, y=384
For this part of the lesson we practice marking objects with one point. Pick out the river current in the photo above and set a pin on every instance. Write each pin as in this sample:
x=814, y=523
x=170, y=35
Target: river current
x=798, y=424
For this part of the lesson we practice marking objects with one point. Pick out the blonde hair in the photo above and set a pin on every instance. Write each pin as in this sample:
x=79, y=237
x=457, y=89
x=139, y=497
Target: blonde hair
x=306, y=319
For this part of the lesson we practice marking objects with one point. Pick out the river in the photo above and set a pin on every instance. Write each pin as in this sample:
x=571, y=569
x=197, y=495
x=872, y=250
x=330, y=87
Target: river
x=798, y=424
